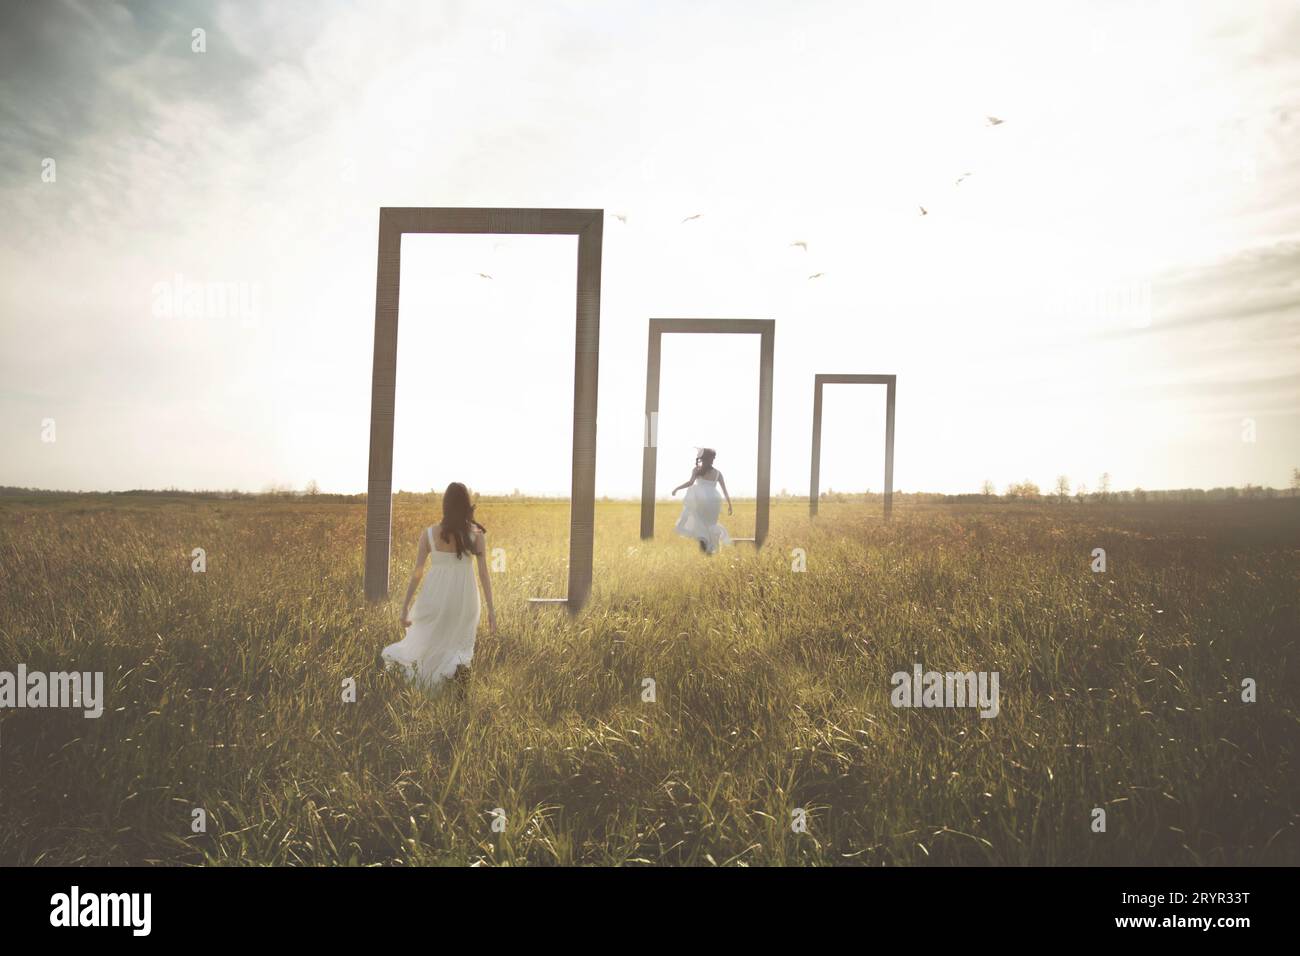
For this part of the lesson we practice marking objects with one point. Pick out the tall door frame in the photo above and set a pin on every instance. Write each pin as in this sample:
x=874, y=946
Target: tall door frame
x=394, y=222
x=766, y=329
x=890, y=382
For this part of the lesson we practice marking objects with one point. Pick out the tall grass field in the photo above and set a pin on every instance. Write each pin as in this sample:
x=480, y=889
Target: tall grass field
x=713, y=711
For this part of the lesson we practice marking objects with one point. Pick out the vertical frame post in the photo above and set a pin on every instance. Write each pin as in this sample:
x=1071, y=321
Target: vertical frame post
x=814, y=480
x=889, y=448
x=383, y=400
x=586, y=369
x=650, y=453
x=764, y=497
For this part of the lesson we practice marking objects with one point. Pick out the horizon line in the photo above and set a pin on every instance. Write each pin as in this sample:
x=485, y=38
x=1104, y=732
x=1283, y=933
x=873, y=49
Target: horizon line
x=17, y=491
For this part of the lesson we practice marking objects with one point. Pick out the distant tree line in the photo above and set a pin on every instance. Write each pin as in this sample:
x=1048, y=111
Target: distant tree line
x=1061, y=493
x=1020, y=491
x=272, y=492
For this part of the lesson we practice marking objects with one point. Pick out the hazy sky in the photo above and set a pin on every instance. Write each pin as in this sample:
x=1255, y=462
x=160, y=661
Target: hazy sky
x=1115, y=286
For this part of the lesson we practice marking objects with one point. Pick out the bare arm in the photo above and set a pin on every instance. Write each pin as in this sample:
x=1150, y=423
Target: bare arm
x=722, y=483
x=686, y=484
x=421, y=555
x=486, y=580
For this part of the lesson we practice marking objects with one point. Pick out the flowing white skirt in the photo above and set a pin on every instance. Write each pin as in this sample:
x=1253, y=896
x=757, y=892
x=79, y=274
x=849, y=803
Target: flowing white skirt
x=444, y=620
x=700, y=512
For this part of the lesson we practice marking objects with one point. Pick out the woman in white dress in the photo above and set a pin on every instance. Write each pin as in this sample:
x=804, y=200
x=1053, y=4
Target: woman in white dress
x=703, y=504
x=440, y=628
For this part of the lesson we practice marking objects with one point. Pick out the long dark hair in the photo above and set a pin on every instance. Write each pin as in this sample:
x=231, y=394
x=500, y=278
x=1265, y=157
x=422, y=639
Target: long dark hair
x=704, y=460
x=457, y=518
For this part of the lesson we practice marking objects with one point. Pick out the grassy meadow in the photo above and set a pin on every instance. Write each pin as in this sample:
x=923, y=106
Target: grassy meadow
x=1119, y=690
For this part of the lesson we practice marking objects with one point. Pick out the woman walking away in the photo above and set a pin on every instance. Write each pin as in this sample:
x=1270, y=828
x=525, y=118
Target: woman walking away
x=440, y=628
x=703, y=504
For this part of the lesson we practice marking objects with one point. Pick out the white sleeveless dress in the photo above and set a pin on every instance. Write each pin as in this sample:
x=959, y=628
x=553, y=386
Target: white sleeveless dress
x=444, y=619
x=700, y=511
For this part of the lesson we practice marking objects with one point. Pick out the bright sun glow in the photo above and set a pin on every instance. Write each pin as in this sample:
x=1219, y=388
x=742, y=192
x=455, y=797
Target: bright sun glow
x=1070, y=230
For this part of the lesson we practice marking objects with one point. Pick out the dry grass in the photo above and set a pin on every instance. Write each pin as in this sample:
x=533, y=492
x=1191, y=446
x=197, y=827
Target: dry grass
x=1119, y=690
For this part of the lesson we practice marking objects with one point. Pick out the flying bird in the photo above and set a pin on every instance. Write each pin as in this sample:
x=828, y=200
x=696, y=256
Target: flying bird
x=994, y=121
x=924, y=211
x=696, y=216
x=960, y=178
x=801, y=244
x=816, y=275
x=484, y=275
x=620, y=217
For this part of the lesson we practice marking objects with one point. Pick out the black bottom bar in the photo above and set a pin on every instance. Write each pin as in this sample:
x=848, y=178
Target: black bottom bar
x=942, y=907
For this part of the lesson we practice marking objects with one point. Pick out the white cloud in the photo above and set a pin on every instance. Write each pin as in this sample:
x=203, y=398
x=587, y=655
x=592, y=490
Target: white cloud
x=1141, y=144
